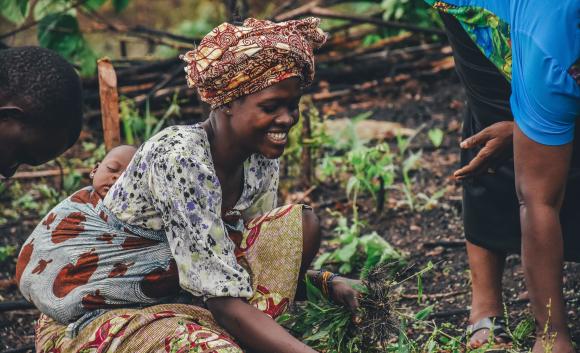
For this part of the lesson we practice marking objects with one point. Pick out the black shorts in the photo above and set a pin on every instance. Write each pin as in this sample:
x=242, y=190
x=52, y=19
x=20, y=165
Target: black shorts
x=490, y=205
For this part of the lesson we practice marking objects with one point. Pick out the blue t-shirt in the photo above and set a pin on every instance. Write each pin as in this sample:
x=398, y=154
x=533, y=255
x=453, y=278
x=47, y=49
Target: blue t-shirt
x=545, y=42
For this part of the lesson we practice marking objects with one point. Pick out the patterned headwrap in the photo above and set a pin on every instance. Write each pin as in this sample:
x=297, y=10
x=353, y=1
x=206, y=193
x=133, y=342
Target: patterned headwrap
x=235, y=61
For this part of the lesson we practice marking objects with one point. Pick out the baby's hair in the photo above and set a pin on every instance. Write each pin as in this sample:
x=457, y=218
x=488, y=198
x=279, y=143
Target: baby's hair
x=45, y=86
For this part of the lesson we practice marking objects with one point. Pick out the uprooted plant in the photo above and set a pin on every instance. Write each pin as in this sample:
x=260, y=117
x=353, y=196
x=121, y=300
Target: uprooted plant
x=331, y=328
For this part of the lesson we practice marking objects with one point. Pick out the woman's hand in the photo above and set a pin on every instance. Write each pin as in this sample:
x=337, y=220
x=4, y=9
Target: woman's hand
x=344, y=293
x=496, y=139
x=252, y=329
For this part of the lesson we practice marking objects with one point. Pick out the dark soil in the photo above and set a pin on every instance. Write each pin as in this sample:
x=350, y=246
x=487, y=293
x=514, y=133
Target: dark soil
x=434, y=235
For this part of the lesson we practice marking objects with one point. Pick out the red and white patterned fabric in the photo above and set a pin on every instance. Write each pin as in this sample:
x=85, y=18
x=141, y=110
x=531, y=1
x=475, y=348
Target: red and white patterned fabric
x=235, y=61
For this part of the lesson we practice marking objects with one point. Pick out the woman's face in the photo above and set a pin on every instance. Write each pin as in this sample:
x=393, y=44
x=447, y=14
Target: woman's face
x=261, y=121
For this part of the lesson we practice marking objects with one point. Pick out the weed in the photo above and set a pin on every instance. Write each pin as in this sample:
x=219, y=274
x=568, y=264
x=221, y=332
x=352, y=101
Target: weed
x=316, y=142
x=138, y=129
x=436, y=136
x=407, y=162
x=97, y=153
x=7, y=252
x=357, y=252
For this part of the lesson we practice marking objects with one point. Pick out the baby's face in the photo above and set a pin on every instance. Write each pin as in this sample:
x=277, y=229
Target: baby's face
x=108, y=171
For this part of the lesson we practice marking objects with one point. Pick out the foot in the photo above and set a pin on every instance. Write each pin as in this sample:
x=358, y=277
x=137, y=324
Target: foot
x=562, y=345
x=481, y=331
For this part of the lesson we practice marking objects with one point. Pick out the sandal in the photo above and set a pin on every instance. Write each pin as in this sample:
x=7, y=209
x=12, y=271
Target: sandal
x=497, y=327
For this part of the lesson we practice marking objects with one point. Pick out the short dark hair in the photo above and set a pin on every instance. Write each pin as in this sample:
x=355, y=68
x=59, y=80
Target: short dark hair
x=45, y=86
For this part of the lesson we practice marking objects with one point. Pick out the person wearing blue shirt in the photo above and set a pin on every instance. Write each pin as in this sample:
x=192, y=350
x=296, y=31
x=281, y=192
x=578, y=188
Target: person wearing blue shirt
x=519, y=58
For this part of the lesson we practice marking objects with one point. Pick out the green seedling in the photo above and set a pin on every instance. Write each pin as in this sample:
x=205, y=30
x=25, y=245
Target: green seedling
x=7, y=252
x=137, y=128
x=436, y=136
x=355, y=251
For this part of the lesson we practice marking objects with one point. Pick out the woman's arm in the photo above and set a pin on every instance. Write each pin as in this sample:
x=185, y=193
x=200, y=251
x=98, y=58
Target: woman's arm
x=253, y=329
x=541, y=173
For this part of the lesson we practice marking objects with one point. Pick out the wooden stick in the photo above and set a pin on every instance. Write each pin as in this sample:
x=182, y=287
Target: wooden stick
x=435, y=295
x=48, y=173
x=300, y=11
x=445, y=244
x=109, y=103
x=320, y=12
x=16, y=305
x=306, y=151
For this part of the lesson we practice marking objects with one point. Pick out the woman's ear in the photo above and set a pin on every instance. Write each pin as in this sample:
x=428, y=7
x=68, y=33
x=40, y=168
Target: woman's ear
x=227, y=109
x=92, y=174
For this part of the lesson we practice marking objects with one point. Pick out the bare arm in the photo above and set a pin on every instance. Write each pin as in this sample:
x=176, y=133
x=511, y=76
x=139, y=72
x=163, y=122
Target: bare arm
x=541, y=172
x=253, y=329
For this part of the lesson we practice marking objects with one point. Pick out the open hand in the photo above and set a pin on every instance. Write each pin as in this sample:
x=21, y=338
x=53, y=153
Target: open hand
x=496, y=139
x=343, y=292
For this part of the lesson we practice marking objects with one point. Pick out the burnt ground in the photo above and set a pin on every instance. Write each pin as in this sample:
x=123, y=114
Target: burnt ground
x=436, y=235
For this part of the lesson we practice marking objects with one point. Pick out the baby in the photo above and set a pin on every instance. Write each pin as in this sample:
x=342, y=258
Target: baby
x=108, y=171
x=69, y=250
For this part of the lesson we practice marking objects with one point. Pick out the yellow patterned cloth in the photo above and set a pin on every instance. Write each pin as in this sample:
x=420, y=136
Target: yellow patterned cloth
x=235, y=61
x=270, y=249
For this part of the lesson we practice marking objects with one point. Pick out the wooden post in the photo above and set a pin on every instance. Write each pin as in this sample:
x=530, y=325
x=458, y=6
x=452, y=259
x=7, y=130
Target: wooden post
x=306, y=150
x=109, y=103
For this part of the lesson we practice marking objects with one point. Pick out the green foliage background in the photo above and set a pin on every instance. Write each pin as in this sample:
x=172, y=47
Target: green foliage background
x=61, y=24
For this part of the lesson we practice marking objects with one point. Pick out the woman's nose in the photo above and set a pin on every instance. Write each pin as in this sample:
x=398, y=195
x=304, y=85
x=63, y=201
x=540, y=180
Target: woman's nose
x=287, y=119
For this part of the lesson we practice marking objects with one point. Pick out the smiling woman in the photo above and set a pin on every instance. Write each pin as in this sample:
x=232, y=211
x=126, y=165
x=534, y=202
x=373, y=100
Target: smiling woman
x=197, y=206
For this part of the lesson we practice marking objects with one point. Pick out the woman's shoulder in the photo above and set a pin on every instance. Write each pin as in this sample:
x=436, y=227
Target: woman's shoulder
x=184, y=141
x=179, y=135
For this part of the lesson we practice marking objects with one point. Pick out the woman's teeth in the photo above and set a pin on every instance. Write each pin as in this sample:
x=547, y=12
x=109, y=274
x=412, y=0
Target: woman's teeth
x=277, y=136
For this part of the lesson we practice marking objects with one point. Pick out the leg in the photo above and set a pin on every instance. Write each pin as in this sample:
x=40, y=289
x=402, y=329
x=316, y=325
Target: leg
x=541, y=173
x=311, y=243
x=486, y=299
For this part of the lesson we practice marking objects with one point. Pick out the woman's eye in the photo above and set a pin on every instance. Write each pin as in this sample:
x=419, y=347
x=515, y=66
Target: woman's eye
x=269, y=109
x=112, y=170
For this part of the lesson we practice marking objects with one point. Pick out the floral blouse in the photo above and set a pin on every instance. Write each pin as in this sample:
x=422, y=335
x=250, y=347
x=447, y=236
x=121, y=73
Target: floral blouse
x=171, y=185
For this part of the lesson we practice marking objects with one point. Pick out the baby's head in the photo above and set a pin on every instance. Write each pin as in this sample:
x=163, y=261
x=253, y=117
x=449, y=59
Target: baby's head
x=108, y=171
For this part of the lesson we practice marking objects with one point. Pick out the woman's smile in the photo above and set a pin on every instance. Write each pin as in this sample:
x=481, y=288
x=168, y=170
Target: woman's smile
x=278, y=137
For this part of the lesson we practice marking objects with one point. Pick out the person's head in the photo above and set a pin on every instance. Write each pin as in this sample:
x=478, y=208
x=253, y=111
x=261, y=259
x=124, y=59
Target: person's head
x=105, y=174
x=40, y=107
x=253, y=75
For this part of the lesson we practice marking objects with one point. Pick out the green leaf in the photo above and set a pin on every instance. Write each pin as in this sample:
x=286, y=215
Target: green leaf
x=44, y=8
x=120, y=5
x=419, y=289
x=94, y=4
x=424, y=313
x=7, y=252
x=321, y=260
x=313, y=294
x=345, y=268
x=352, y=185
x=436, y=136
x=14, y=10
x=362, y=116
x=61, y=33
x=345, y=253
